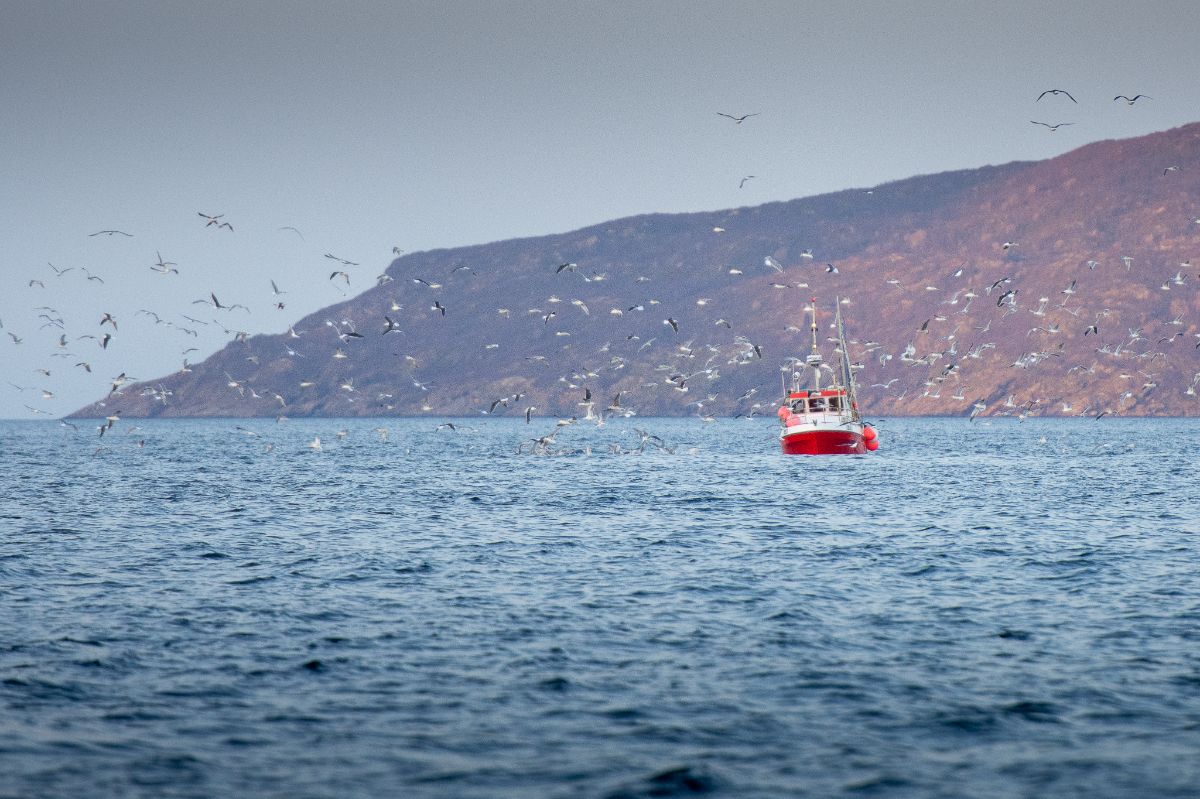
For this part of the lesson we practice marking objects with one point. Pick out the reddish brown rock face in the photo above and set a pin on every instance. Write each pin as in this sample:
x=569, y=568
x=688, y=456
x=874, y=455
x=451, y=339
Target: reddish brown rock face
x=1076, y=294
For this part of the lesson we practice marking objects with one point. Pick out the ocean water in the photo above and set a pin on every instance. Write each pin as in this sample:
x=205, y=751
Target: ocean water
x=190, y=609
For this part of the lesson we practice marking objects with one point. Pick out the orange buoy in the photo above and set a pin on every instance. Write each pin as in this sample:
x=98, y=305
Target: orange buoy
x=869, y=433
x=871, y=444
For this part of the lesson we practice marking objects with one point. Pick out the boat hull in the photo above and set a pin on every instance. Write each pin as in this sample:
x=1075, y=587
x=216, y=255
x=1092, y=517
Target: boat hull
x=823, y=442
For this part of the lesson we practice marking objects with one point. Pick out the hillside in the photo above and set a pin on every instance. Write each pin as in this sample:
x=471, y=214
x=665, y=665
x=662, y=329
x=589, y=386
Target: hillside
x=1092, y=306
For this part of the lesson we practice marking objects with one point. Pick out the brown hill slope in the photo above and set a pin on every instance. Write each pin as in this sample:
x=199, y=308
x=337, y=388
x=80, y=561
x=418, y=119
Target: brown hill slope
x=1092, y=307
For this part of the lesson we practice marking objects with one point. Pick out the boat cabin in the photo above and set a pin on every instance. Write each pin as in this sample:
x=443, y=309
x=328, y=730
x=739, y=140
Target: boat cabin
x=811, y=402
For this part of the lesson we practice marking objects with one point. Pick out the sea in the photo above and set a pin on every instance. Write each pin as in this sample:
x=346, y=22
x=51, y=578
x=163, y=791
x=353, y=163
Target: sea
x=652, y=608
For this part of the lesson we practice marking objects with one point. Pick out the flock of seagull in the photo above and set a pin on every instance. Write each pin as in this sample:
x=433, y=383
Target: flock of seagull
x=1055, y=92
x=687, y=366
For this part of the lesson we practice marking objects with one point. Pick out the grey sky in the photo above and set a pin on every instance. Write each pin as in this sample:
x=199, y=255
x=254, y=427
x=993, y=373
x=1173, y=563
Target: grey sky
x=425, y=125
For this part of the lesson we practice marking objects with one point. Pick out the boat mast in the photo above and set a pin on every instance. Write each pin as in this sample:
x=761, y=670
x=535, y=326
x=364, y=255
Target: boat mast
x=847, y=367
x=814, y=358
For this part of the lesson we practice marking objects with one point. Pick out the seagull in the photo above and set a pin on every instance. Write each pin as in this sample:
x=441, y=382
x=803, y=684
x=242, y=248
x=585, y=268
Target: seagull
x=212, y=220
x=1132, y=100
x=342, y=275
x=391, y=327
x=1057, y=91
x=164, y=266
x=771, y=262
x=315, y=444
x=341, y=261
x=110, y=233
x=275, y=289
x=567, y=267
x=1171, y=169
x=672, y=323
x=1051, y=127
x=736, y=120
x=437, y=306
x=214, y=302
x=294, y=230
x=743, y=180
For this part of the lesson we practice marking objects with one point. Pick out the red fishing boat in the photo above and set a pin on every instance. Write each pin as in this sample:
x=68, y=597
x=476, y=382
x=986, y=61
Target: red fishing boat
x=822, y=418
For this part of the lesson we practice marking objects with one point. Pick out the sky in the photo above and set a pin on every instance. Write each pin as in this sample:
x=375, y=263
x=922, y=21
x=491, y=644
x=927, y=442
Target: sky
x=367, y=126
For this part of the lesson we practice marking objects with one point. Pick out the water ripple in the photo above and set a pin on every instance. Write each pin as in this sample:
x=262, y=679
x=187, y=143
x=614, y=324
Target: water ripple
x=969, y=611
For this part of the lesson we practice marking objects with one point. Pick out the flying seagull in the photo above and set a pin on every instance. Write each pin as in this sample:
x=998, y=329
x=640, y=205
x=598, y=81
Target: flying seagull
x=1132, y=100
x=737, y=120
x=743, y=181
x=164, y=267
x=1052, y=127
x=110, y=233
x=1057, y=91
x=213, y=220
